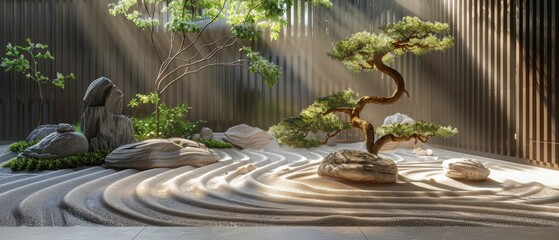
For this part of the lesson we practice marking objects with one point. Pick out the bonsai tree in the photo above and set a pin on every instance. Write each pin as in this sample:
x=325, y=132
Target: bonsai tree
x=366, y=51
x=188, y=19
x=26, y=59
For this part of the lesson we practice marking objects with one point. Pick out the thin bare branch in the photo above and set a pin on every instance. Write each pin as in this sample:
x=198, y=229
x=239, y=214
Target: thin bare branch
x=230, y=64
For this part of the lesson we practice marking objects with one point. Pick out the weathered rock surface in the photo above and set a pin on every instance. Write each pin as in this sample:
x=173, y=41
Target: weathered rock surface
x=245, y=136
x=399, y=118
x=206, y=133
x=246, y=169
x=41, y=132
x=102, y=121
x=161, y=153
x=64, y=142
x=465, y=169
x=358, y=166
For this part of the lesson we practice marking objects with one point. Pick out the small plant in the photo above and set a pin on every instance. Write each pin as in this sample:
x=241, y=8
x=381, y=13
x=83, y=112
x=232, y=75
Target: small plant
x=212, y=143
x=173, y=122
x=25, y=59
x=18, y=147
x=73, y=161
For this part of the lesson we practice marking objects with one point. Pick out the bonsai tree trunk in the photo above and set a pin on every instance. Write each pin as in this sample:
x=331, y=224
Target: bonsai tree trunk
x=354, y=114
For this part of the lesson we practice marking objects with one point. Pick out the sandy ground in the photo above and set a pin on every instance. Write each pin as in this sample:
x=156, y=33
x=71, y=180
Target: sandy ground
x=283, y=190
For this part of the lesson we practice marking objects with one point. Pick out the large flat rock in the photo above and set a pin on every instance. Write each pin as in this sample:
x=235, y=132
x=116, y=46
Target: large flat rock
x=161, y=153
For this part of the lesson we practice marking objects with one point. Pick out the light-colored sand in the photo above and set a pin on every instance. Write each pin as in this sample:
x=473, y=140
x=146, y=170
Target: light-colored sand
x=283, y=190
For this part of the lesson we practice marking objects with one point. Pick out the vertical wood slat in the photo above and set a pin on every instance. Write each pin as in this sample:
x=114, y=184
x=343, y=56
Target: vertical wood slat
x=500, y=75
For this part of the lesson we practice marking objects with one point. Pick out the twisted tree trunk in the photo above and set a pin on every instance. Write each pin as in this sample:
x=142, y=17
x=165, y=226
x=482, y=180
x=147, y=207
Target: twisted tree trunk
x=367, y=128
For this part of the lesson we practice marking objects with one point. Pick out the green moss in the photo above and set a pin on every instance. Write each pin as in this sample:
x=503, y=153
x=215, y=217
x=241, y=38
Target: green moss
x=18, y=147
x=73, y=161
x=212, y=143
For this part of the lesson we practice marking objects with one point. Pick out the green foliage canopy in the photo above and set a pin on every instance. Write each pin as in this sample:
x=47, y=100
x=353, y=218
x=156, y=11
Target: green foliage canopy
x=408, y=35
x=247, y=20
x=293, y=131
x=421, y=128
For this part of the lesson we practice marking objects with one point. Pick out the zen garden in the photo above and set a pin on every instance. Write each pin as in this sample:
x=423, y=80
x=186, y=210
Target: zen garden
x=260, y=113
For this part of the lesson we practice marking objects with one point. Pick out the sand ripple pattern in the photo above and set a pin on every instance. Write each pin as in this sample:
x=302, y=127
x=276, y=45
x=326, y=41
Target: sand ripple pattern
x=283, y=190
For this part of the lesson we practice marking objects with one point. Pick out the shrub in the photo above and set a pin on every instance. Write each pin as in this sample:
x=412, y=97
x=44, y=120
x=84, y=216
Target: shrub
x=73, y=161
x=212, y=143
x=18, y=147
x=173, y=124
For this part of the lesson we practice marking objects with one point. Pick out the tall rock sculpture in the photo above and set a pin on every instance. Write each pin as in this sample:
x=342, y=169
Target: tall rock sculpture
x=102, y=121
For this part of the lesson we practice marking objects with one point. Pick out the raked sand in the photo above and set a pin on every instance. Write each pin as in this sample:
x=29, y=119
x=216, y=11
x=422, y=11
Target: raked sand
x=283, y=190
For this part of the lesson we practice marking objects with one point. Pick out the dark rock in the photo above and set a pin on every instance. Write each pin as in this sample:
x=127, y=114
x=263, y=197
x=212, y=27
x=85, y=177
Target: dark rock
x=358, y=166
x=102, y=122
x=58, y=144
x=41, y=132
x=161, y=153
x=64, y=127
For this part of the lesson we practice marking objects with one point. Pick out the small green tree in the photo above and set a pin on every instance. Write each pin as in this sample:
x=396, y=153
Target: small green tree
x=188, y=19
x=366, y=51
x=26, y=60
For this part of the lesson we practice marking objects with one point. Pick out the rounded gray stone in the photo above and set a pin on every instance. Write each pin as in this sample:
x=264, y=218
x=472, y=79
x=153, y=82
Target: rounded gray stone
x=57, y=145
x=41, y=132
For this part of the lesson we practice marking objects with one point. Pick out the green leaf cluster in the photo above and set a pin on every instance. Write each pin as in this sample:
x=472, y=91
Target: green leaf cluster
x=73, y=161
x=421, y=128
x=408, y=35
x=213, y=143
x=173, y=122
x=26, y=59
x=293, y=131
x=270, y=72
x=18, y=147
x=185, y=15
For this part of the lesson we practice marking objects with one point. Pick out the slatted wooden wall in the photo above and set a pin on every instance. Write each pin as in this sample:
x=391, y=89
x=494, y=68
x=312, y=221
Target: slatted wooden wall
x=497, y=85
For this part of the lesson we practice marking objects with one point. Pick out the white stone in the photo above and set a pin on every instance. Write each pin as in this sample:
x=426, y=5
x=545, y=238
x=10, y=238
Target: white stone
x=399, y=118
x=245, y=136
x=422, y=152
x=161, y=153
x=465, y=169
x=358, y=166
x=246, y=169
x=206, y=133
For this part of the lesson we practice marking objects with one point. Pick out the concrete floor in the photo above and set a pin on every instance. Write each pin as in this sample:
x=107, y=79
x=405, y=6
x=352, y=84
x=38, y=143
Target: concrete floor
x=272, y=233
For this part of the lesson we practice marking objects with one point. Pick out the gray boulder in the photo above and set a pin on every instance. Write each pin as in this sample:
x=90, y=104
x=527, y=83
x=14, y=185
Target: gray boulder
x=64, y=142
x=465, y=169
x=206, y=133
x=245, y=136
x=41, y=132
x=161, y=153
x=102, y=121
x=358, y=166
